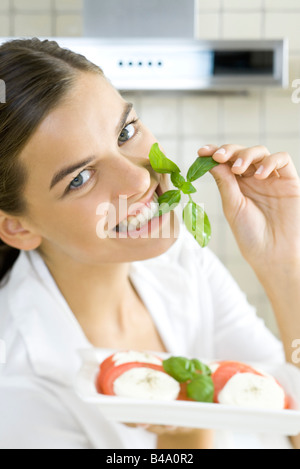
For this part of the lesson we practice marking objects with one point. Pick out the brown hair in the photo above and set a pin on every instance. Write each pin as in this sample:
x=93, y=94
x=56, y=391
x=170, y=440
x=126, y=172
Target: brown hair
x=37, y=75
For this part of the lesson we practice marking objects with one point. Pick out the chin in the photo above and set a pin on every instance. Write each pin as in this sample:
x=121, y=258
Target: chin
x=155, y=248
x=150, y=247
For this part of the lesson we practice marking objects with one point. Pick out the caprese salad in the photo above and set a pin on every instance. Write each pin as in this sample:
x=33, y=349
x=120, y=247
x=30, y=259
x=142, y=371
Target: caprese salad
x=242, y=385
x=143, y=375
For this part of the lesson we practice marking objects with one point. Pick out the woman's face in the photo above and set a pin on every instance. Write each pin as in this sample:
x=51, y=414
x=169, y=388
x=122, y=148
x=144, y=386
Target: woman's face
x=88, y=168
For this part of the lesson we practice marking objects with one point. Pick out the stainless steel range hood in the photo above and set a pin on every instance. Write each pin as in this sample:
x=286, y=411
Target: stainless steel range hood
x=151, y=45
x=186, y=64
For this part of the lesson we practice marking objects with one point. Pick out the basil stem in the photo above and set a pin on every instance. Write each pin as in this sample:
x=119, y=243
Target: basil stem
x=194, y=217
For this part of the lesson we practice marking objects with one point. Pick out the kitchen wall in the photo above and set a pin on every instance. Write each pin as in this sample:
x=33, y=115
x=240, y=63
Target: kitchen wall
x=184, y=122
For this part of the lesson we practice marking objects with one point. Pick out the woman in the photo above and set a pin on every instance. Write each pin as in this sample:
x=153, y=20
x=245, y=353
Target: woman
x=69, y=143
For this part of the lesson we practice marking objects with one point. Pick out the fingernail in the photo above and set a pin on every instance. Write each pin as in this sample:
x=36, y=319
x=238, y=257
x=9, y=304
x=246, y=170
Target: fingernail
x=260, y=170
x=143, y=425
x=238, y=163
x=206, y=147
x=170, y=427
x=221, y=151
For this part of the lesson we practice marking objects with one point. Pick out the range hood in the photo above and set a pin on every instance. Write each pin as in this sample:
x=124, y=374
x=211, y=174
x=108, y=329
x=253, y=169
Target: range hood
x=151, y=45
x=186, y=64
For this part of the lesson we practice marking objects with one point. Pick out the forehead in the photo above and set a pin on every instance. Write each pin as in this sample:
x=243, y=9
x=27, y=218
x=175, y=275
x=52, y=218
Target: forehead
x=86, y=117
x=91, y=101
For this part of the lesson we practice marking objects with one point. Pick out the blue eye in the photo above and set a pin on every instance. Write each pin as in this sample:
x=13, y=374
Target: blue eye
x=81, y=179
x=127, y=133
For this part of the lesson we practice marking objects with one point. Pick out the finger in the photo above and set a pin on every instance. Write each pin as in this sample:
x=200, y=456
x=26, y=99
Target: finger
x=227, y=152
x=169, y=430
x=240, y=157
x=131, y=425
x=217, y=152
x=279, y=163
x=207, y=150
x=229, y=190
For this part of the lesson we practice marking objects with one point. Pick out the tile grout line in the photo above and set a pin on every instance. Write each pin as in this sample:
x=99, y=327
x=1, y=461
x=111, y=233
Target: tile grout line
x=53, y=18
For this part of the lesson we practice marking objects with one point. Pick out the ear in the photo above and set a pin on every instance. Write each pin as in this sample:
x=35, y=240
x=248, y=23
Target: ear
x=13, y=233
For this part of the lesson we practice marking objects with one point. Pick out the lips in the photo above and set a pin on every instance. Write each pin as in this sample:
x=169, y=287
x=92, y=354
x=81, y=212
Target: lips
x=143, y=212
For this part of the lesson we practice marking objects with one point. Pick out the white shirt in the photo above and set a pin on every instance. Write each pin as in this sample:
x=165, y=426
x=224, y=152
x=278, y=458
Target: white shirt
x=198, y=310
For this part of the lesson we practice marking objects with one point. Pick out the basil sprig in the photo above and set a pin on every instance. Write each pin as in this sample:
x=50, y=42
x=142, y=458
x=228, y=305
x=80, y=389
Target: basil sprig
x=194, y=217
x=197, y=375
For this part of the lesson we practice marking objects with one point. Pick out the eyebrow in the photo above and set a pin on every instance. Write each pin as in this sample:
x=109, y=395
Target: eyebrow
x=62, y=173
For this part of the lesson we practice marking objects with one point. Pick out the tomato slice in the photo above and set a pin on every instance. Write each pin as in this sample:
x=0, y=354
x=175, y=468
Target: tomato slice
x=227, y=370
x=109, y=363
x=105, y=381
x=182, y=396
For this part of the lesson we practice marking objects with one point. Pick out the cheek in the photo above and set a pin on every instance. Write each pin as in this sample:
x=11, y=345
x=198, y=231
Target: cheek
x=68, y=223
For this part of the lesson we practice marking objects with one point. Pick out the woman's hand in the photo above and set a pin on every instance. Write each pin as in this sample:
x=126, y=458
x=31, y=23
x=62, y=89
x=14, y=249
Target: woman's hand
x=170, y=437
x=261, y=201
x=162, y=429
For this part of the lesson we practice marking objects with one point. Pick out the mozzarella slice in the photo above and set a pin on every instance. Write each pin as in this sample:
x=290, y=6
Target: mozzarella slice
x=120, y=358
x=145, y=383
x=252, y=391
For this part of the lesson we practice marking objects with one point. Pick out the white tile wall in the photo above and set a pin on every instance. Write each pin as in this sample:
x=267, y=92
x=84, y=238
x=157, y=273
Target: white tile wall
x=31, y=5
x=160, y=114
x=211, y=5
x=242, y=25
x=200, y=116
x=4, y=5
x=284, y=24
x=282, y=5
x=69, y=24
x=67, y=5
x=32, y=25
x=4, y=24
x=208, y=25
x=242, y=115
x=185, y=122
x=277, y=108
x=243, y=5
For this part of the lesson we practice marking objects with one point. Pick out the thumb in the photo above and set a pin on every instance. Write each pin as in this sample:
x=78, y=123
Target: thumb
x=229, y=189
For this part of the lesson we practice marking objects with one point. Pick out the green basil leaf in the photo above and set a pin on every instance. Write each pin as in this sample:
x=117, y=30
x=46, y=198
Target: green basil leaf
x=159, y=162
x=188, y=188
x=168, y=201
x=205, y=370
x=178, y=368
x=197, y=223
x=201, y=389
x=200, y=167
x=177, y=179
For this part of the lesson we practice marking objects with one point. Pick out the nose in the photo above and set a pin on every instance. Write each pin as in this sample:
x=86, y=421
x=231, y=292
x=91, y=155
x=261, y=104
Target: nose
x=132, y=177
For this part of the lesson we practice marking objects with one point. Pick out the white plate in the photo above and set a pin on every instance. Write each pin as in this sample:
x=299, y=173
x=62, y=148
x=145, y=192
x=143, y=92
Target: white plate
x=191, y=414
